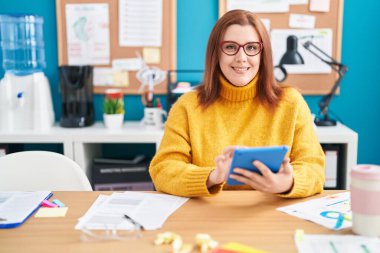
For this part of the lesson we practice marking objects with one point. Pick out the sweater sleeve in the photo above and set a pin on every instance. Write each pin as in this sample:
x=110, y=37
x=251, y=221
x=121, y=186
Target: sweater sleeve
x=171, y=169
x=306, y=156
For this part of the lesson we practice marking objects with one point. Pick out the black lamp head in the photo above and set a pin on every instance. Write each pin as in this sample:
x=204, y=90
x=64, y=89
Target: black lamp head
x=292, y=56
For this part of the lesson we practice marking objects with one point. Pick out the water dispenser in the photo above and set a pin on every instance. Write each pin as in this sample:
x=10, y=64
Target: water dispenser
x=25, y=97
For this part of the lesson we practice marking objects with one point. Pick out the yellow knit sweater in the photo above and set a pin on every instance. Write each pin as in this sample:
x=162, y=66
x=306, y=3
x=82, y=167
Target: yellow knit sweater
x=194, y=137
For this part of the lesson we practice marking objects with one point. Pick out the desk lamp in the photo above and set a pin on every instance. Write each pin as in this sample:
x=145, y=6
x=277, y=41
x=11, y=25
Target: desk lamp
x=323, y=119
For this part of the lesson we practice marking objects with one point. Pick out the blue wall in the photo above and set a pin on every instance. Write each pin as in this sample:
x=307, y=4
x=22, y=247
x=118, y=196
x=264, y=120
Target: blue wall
x=358, y=104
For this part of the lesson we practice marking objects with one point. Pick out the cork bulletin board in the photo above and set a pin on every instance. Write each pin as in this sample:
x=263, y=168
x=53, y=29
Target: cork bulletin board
x=309, y=84
x=167, y=59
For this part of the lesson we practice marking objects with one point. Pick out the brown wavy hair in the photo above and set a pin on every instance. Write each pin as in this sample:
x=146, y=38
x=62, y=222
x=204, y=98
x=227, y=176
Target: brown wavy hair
x=268, y=91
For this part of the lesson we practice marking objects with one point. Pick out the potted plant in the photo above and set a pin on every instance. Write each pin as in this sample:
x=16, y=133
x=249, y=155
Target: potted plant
x=113, y=109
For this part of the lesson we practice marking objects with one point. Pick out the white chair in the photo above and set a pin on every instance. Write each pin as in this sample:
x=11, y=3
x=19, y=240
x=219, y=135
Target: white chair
x=39, y=171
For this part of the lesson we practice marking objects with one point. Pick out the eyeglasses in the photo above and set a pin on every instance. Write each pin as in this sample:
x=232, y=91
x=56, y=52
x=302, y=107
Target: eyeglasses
x=232, y=48
x=104, y=232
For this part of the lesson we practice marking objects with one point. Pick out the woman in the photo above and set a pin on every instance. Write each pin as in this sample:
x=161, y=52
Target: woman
x=239, y=104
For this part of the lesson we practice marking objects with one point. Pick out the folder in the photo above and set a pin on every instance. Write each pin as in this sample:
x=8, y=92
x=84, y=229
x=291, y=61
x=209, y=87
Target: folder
x=17, y=207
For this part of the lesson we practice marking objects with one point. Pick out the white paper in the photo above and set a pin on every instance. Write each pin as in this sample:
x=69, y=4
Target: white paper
x=322, y=38
x=320, y=5
x=259, y=6
x=140, y=23
x=129, y=64
x=297, y=2
x=88, y=39
x=301, y=21
x=15, y=207
x=103, y=76
x=337, y=244
x=312, y=210
x=149, y=209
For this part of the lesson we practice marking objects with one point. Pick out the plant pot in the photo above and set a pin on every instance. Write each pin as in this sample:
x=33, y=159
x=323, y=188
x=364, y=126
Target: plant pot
x=113, y=121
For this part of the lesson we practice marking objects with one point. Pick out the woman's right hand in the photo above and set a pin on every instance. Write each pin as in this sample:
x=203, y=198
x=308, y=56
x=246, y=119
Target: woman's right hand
x=223, y=164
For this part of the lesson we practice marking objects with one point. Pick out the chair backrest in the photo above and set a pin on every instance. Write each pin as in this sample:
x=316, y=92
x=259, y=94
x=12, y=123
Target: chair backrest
x=39, y=171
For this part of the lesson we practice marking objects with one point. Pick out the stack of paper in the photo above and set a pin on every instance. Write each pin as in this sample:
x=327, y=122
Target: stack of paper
x=16, y=207
x=148, y=209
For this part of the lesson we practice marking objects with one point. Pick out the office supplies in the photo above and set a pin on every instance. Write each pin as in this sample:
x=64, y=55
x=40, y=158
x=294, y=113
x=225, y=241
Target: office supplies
x=333, y=212
x=44, y=212
x=313, y=83
x=16, y=207
x=365, y=195
x=58, y=202
x=134, y=222
x=46, y=203
x=243, y=158
x=234, y=247
x=122, y=42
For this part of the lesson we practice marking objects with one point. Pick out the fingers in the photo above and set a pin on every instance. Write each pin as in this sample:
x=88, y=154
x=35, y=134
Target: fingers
x=264, y=170
x=286, y=167
x=228, y=151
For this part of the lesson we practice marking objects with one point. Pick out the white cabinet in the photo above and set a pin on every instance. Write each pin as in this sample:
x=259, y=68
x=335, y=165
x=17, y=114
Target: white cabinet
x=83, y=144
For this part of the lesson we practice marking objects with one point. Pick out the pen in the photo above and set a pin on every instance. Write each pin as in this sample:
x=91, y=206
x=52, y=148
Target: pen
x=134, y=222
x=365, y=248
x=3, y=219
x=333, y=247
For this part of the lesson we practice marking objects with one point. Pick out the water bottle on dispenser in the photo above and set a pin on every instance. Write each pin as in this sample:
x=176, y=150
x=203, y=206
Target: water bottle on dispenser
x=25, y=97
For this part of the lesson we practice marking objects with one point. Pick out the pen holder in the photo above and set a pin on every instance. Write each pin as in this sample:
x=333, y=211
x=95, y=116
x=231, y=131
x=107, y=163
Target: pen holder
x=153, y=118
x=365, y=204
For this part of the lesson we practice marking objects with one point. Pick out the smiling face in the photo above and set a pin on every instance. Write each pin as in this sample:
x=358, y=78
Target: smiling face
x=240, y=69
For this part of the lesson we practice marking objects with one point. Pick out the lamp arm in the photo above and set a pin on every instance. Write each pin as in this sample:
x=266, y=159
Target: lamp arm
x=340, y=68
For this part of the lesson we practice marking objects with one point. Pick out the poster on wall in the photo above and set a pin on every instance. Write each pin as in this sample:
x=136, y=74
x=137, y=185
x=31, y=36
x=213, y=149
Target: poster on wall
x=88, y=39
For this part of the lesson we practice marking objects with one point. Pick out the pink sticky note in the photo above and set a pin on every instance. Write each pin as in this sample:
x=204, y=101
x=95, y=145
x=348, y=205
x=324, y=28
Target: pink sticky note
x=47, y=203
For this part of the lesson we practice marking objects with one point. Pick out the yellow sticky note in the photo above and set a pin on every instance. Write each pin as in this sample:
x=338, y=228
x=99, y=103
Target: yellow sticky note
x=51, y=212
x=152, y=55
x=121, y=78
x=237, y=247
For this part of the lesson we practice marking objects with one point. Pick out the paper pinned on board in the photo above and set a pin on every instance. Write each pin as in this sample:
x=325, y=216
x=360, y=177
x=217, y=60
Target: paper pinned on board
x=88, y=36
x=140, y=23
x=259, y=6
x=322, y=38
x=301, y=21
x=320, y=5
x=151, y=55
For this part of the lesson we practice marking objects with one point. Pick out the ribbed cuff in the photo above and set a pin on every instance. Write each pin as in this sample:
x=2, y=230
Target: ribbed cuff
x=196, y=180
x=301, y=185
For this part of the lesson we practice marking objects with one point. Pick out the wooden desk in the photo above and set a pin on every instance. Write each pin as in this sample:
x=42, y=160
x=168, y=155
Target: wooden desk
x=247, y=217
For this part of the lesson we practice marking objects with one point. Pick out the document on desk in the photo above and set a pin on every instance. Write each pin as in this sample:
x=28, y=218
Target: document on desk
x=148, y=209
x=337, y=244
x=16, y=207
x=333, y=211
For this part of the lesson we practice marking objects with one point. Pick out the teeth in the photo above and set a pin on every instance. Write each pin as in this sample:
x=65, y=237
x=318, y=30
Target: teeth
x=240, y=69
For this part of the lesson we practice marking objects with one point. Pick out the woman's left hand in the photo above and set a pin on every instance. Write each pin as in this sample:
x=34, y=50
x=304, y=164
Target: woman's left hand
x=279, y=182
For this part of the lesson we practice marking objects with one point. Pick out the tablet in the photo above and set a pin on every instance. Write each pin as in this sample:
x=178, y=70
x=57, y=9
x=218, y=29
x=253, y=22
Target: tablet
x=272, y=157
